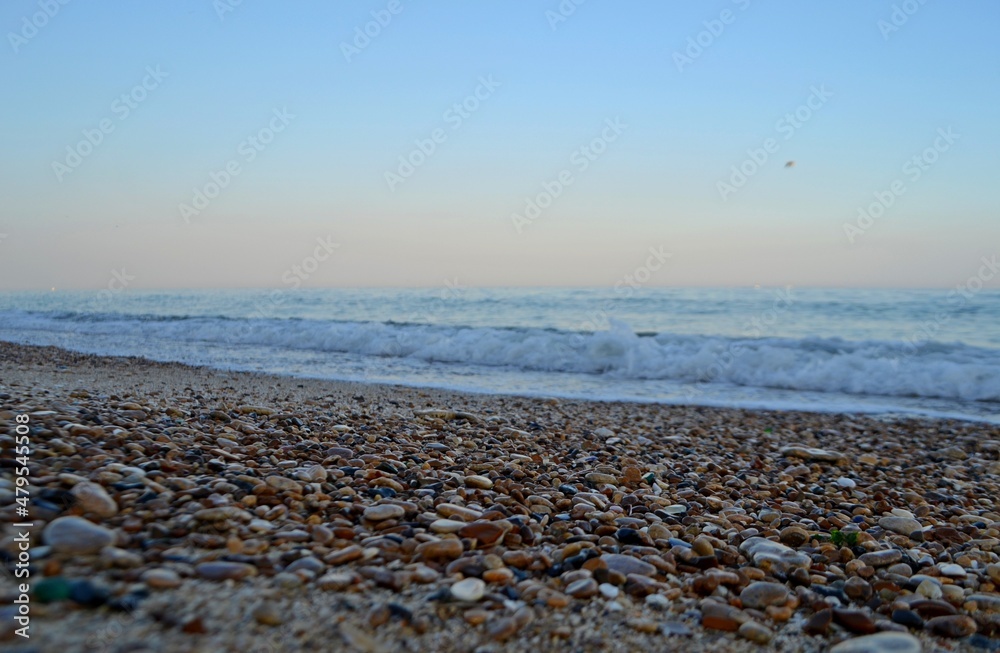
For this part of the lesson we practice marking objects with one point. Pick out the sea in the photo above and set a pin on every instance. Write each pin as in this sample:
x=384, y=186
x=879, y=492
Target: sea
x=934, y=353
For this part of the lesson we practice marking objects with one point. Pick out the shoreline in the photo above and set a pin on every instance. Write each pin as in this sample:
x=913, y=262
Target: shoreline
x=258, y=509
x=889, y=413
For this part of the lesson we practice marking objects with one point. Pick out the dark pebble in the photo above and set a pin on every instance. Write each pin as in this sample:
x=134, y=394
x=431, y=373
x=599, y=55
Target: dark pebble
x=908, y=618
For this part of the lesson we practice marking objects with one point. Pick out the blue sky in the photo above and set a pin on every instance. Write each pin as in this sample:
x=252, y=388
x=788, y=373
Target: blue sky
x=551, y=86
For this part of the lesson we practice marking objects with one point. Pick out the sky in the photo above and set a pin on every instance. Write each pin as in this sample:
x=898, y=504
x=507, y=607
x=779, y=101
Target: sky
x=201, y=144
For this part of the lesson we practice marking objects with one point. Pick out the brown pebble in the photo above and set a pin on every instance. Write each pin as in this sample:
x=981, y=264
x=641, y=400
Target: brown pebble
x=953, y=626
x=819, y=623
x=856, y=621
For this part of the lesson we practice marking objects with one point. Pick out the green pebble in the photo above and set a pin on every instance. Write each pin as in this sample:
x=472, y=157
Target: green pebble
x=50, y=590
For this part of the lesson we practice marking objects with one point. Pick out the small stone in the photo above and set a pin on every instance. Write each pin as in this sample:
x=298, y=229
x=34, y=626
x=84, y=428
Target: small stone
x=77, y=536
x=810, y=453
x=597, y=478
x=384, y=511
x=882, y=558
x=857, y=621
x=954, y=626
x=993, y=571
x=220, y=570
x=444, y=526
x=929, y=608
x=458, y=512
x=608, y=591
x=626, y=565
x=887, y=642
x=676, y=629
x=658, y=602
x=847, y=483
x=161, y=579
x=502, y=629
x=819, y=623
x=50, y=590
x=94, y=499
x=584, y=588
x=952, y=570
x=335, y=581
x=767, y=554
x=284, y=484
x=761, y=594
x=440, y=550
x=908, y=618
x=642, y=625
x=267, y=614
x=721, y=617
x=486, y=533
x=755, y=632
x=703, y=547
x=478, y=482
x=986, y=602
x=858, y=589
x=345, y=555
x=901, y=525
x=469, y=590
x=929, y=589
x=793, y=536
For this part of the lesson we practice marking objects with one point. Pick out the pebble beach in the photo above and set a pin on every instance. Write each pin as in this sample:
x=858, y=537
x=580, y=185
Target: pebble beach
x=179, y=508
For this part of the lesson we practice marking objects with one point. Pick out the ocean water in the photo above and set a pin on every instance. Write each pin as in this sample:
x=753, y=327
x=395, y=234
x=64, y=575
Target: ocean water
x=930, y=352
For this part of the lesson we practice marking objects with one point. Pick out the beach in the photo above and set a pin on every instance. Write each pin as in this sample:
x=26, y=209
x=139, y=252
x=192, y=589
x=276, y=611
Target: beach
x=180, y=508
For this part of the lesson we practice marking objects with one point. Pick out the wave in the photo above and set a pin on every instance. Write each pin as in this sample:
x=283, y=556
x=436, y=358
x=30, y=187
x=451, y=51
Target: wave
x=831, y=365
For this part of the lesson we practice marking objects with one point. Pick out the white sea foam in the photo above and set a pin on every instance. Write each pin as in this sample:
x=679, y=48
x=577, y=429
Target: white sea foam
x=952, y=371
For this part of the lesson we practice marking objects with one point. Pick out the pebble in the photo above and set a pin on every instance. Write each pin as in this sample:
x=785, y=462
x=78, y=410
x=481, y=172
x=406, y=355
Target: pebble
x=761, y=594
x=857, y=621
x=94, y=499
x=887, y=642
x=819, y=623
x=811, y=453
x=220, y=570
x=479, y=482
x=767, y=554
x=954, y=626
x=952, y=570
x=626, y=565
x=882, y=558
x=583, y=588
x=267, y=613
x=447, y=549
x=469, y=590
x=501, y=508
x=901, y=525
x=384, y=511
x=161, y=579
x=76, y=536
x=755, y=632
